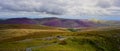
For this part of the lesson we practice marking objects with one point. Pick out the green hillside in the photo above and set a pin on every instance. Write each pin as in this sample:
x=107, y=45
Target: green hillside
x=58, y=40
x=23, y=26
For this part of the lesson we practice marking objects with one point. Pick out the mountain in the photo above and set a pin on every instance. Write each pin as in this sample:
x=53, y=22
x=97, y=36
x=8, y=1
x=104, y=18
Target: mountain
x=54, y=22
x=67, y=23
x=58, y=22
x=18, y=21
x=106, y=22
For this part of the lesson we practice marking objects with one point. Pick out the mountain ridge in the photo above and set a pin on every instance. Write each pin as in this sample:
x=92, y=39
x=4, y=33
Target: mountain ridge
x=57, y=22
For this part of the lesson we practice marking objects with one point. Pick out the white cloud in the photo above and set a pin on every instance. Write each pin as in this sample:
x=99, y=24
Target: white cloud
x=62, y=7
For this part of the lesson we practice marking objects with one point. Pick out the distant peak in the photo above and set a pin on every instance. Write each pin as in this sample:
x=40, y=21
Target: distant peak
x=19, y=18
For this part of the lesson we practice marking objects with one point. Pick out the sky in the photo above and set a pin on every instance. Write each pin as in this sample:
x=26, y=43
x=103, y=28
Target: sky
x=73, y=9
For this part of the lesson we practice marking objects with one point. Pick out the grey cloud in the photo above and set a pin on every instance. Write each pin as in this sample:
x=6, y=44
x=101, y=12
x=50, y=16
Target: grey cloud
x=114, y=11
x=103, y=4
x=117, y=3
x=26, y=5
x=59, y=7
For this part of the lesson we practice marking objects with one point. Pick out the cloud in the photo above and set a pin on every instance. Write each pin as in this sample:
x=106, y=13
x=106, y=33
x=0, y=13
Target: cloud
x=62, y=7
x=117, y=3
x=104, y=3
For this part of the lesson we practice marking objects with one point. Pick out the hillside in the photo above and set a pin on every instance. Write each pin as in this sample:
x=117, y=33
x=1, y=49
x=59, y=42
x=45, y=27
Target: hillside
x=37, y=40
x=106, y=22
x=60, y=22
x=25, y=26
x=54, y=22
x=35, y=37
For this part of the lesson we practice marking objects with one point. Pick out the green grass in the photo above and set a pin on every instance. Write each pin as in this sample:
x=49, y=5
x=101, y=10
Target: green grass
x=23, y=26
x=70, y=46
x=20, y=39
x=85, y=47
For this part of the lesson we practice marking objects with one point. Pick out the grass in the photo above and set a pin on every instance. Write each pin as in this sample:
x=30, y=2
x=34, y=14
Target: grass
x=70, y=46
x=95, y=40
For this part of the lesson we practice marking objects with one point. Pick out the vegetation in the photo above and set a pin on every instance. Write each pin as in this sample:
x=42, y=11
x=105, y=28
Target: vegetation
x=47, y=40
x=72, y=30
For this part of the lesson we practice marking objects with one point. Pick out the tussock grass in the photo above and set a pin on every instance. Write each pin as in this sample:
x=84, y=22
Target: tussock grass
x=107, y=40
